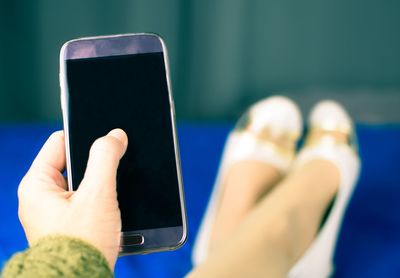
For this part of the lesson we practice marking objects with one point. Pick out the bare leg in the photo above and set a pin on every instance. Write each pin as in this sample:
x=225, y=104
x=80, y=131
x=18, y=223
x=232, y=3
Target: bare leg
x=279, y=229
x=257, y=155
x=245, y=182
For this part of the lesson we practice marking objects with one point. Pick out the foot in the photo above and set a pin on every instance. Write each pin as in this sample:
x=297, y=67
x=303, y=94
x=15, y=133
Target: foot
x=330, y=139
x=258, y=152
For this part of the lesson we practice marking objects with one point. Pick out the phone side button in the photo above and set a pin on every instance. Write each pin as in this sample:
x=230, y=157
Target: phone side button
x=132, y=240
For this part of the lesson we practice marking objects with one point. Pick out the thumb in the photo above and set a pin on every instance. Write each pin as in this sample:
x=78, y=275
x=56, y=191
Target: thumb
x=103, y=161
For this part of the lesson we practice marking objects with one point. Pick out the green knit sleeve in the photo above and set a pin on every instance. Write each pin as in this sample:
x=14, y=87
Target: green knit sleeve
x=58, y=256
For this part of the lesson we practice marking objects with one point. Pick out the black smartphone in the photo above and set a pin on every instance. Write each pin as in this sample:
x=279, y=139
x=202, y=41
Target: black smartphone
x=122, y=81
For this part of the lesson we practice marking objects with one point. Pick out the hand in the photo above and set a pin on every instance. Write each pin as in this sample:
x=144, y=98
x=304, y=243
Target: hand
x=91, y=213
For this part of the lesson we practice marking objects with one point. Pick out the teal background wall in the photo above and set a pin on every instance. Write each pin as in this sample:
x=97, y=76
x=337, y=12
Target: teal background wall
x=224, y=54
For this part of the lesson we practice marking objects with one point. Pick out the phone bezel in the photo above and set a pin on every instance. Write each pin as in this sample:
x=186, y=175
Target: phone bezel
x=161, y=239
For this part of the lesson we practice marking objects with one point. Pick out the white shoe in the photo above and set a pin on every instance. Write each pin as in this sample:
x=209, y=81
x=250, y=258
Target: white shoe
x=275, y=117
x=328, y=117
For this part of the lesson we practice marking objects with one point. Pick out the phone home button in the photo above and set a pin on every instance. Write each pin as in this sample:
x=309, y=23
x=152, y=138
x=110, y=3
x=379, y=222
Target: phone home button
x=132, y=240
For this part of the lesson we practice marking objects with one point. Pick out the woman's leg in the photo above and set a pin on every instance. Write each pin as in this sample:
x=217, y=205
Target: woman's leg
x=257, y=154
x=244, y=184
x=279, y=229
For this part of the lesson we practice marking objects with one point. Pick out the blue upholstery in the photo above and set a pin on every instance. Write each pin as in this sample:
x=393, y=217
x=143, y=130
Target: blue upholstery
x=369, y=244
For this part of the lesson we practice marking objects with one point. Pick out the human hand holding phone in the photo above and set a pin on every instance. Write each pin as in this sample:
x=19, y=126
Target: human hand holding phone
x=91, y=213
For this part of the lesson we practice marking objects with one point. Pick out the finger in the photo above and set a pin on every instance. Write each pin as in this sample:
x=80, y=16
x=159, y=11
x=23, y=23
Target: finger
x=104, y=158
x=47, y=166
x=52, y=154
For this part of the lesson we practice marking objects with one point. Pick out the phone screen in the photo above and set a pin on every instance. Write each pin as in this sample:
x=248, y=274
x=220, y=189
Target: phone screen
x=128, y=92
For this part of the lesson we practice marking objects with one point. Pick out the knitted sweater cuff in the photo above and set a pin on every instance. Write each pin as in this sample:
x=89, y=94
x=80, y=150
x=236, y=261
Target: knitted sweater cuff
x=58, y=256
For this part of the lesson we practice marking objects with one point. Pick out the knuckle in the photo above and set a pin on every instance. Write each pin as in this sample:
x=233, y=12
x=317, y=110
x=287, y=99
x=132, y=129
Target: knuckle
x=57, y=135
x=102, y=144
x=106, y=144
x=21, y=191
x=21, y=215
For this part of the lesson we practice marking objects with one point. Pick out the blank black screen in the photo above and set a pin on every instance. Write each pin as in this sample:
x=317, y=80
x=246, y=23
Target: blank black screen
x=128, y=92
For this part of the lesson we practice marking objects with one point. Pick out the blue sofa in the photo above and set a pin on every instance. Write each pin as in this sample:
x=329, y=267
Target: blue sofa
x=369, y=243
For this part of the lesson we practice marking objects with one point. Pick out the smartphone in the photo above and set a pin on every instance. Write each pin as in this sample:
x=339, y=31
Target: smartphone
x=122, y=81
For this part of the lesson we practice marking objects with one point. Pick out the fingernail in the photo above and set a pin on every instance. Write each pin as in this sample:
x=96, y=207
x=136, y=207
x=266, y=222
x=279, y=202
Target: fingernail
x=120, y=135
